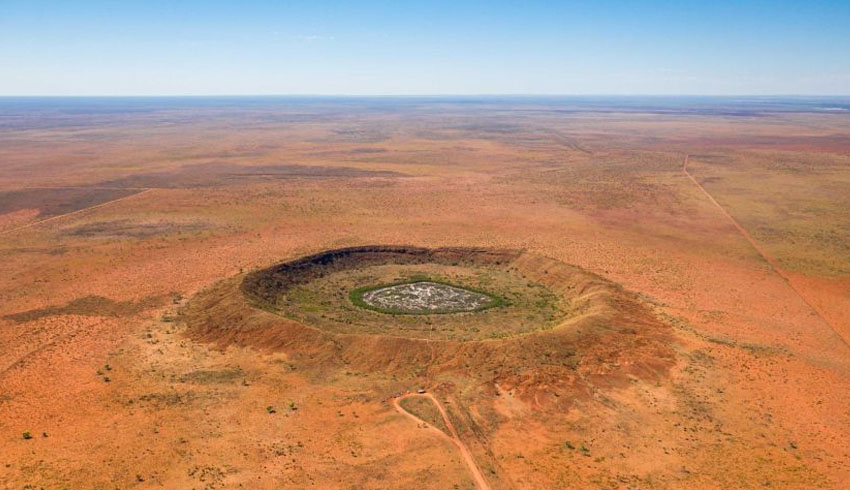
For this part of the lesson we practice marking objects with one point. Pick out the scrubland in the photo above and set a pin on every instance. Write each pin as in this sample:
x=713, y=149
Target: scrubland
x=113, y=222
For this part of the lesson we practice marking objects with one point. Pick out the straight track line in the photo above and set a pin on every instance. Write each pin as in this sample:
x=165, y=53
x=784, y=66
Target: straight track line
x=773, y=263
x=35, y=223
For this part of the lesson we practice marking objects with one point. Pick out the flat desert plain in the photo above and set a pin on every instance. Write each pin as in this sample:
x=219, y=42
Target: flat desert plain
x=672, y=278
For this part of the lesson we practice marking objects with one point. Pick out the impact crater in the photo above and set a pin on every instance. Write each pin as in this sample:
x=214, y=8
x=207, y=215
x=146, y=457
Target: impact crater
x=518, y=320
x=459, y=294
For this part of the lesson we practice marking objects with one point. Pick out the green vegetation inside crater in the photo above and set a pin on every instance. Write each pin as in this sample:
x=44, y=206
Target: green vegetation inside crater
x=334, y=303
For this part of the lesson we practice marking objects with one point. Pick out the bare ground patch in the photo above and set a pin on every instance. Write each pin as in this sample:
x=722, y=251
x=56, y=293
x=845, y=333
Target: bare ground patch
x=90, y=306
x=131, y=229
x=57, y=201
x=219, y=174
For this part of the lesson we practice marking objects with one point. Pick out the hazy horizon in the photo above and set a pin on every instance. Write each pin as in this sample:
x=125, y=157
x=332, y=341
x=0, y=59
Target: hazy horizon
x=789, y=96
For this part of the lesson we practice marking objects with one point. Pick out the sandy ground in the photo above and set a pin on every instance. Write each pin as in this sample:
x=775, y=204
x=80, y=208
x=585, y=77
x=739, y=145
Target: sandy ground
x=480, y=481
x=115, y=395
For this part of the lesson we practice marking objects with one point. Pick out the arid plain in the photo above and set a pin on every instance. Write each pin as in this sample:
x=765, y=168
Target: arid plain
x=717, y=229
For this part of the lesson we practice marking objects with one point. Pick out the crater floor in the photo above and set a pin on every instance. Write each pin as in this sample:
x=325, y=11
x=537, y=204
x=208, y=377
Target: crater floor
x=408, y=291
x=424, y=297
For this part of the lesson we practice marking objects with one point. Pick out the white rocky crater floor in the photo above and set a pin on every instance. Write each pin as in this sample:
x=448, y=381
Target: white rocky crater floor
x=425, y=297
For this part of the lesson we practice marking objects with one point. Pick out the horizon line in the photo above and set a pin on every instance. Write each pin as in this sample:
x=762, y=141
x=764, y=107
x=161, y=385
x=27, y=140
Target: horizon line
x=424, y=95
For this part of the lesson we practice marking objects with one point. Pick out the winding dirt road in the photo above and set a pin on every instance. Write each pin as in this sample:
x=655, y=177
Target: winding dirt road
x=480, y=481
x=773, y=263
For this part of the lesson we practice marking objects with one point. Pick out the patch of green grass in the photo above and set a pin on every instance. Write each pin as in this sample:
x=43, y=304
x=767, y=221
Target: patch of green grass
x=424, y=409
x=333, y=302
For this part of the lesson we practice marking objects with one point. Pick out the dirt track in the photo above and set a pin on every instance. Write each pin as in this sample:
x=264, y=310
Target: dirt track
x=773, y=263
x=692, y=364
x=480, y=481
x=72, y=213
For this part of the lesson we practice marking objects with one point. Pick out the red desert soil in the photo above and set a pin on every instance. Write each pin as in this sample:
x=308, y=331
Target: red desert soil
x=480, y=481
x=774, y=264
x=719, y=369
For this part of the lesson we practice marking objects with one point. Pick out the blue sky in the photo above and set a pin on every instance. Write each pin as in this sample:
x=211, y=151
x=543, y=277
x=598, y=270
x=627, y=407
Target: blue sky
x=441, y=47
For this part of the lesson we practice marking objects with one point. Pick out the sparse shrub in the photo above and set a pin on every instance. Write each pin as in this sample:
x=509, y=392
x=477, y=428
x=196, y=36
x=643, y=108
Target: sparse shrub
x=26, y=435
x=270, y=409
